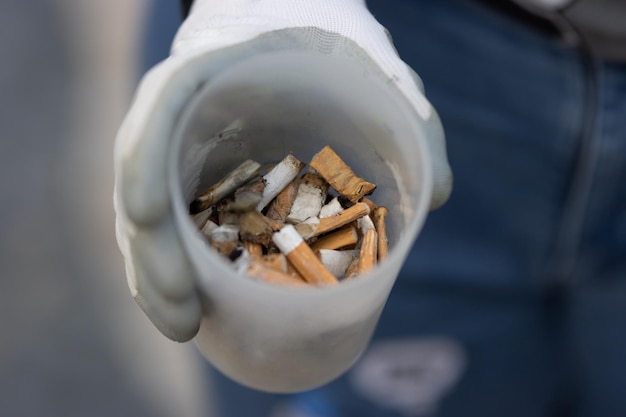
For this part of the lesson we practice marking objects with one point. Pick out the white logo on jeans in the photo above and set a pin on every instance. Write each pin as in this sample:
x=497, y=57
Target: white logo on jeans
x=410, y=376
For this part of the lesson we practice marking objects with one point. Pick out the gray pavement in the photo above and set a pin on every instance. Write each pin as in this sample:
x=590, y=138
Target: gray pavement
x=72, y=340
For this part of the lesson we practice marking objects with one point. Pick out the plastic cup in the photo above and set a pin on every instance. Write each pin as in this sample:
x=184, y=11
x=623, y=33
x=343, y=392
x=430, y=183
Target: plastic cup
x=266, y=336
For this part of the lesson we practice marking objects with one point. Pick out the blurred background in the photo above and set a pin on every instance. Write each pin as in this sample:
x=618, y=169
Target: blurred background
x=72, y=341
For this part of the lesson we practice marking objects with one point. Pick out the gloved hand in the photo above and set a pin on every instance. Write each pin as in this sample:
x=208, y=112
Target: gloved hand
x=215, y=35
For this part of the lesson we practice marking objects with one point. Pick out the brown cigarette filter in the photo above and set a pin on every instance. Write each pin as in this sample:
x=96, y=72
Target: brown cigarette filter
x=340, y=176
x=379, y=221
x=346, y=236
x=369, y=251
x=370, y=204
x=273, y=276
x=309, y=230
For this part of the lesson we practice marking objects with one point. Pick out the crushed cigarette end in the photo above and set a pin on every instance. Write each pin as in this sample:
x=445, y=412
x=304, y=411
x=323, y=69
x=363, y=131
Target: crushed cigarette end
x=278, y=178
x=281, y=205
x=340, y=176
x=236, y=178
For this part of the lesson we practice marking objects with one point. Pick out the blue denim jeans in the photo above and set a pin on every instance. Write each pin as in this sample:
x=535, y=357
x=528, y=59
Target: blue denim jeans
x=513, y=301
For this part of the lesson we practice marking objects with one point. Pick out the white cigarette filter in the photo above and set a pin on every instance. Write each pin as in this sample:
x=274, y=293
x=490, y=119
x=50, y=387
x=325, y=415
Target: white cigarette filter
x=332, y=208
x=365, y=223
x=287, y=239
x=278, y=178
x=337, y=261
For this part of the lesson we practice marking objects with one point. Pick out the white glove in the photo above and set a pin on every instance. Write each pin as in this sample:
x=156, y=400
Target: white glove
x=215, y=35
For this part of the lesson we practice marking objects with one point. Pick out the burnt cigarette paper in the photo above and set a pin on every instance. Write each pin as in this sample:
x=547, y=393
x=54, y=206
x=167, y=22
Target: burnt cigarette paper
x=226, y=186
x=309, y=199
x=278, y=178
x=280, y=206
x=247, y=196
x=254, y=227
x=340, y=176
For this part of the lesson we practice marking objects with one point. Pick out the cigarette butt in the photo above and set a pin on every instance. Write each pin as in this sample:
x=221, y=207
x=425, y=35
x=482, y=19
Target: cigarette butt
x=383, y=243
x=254, y=227
x=254, y=249
x=226, y=186
x=341, y=238
x=280, y=206
x=365, y=223
x=339, y=175
x=278, y=178
x=274, y=224
x=291, y=270
x=276, y=261
x=311, y=194
x=369, y=251
x=370, y=204
x=332, y=208
x=225, y=239
x=302, y=257
x=247, y=197
x=336, y=261
x=273, y=276
x=309, y=229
